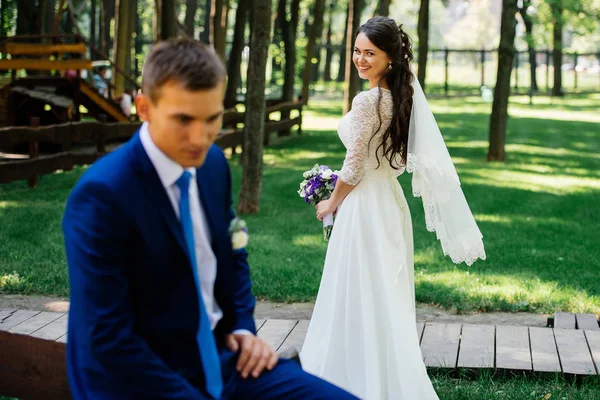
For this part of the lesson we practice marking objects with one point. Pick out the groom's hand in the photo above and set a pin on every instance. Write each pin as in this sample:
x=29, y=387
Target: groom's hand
x=254, y=354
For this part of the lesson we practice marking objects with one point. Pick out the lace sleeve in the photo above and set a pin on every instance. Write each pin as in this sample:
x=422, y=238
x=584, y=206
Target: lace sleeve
x=363, y=123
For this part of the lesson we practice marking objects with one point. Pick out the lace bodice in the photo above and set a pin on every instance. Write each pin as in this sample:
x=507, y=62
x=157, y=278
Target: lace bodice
x=356, y=129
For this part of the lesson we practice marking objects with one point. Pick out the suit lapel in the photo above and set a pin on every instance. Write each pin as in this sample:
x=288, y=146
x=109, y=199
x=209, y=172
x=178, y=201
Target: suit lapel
x=155, y=192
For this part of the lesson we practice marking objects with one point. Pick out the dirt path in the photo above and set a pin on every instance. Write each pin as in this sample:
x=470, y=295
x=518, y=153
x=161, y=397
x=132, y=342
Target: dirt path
x=265, y=309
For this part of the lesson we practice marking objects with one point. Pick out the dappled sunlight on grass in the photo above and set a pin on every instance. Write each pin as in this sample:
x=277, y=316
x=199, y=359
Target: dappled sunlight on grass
x=553, y=114
x=470, y=144
x=520, y=219
x=517, y=293
x=10, y=204
x=549, y=151
x=556, y=184
x=493, y=218
x=308, y=240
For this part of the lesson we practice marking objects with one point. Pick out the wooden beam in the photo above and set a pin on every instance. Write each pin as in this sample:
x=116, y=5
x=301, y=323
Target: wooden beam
x=45, y=65
x=37, y=368
x=593, y=341
x=477, y=347
x=295, y=340
x=275, y=331
x=420, y=328
x=574, y=352
x=543, y=350
x=512, y=348
x=563, y=320
x=587, y=322
x=440, y=344
x=43, y=49
x=18, y=170
x=281, y=125
x=16, y=318
x=102, y=102
x=229, y=140
x=286, y=106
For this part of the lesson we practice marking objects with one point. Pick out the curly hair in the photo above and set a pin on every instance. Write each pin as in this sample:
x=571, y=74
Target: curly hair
x=388, y=36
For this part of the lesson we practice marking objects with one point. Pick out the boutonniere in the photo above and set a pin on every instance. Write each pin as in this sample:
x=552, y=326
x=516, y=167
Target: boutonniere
x=239, y=233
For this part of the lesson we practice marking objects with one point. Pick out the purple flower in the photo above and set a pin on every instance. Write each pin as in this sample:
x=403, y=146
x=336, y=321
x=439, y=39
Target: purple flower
x=335, y=178
x=324, y=167
x=316, y=183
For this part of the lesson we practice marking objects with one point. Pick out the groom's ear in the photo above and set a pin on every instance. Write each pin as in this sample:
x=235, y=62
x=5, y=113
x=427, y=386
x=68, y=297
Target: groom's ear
x=142, y=106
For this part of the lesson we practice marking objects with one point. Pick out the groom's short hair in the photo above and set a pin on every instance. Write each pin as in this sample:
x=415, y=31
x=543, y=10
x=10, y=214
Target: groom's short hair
x=193, y=64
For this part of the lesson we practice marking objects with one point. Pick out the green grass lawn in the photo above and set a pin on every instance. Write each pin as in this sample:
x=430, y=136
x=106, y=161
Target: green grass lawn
x=487, y=387
x=538, y=213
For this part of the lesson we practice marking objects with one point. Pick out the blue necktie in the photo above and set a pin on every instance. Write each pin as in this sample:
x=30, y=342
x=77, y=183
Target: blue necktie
x=206, y=341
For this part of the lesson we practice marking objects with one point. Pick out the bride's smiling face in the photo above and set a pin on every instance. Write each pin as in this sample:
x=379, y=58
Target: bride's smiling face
x=370, y=61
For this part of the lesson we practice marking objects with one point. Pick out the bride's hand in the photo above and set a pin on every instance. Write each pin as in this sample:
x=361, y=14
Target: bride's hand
x=325, y=207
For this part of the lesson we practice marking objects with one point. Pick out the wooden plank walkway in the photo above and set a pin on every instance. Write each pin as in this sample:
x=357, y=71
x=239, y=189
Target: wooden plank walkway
x=451, y=346
x=589, y=322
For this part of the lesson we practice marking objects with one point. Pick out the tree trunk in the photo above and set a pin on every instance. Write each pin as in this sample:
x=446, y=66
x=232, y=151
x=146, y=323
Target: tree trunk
x=47, y=8
x=191, y=6
x=131, y=59
x=255, y=108
x=165, y=20
x=352, y=78
x=138, y=41
x=276, y=39
x=207, y=28
x=26, y=17
x=329, y=45
x=423, y=32
x=235, y=55
x=557, y=16
x=506, y=55
x=93, y=35
x=290, y=32
x=108, y=13
x=383, y=8
x=528, y=21
x=219, y=10
x=314, y=34
x=122, y=50
x=341, y=75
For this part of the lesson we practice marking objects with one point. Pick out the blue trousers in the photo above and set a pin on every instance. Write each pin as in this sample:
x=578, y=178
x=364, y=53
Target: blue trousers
x=287, y=381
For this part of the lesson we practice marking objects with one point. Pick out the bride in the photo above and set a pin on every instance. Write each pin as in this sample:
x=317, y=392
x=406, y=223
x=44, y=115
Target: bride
x=363, y=334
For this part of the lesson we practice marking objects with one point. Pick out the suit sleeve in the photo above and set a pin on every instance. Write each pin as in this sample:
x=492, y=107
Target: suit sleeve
x=96, y=237
x=244, y=300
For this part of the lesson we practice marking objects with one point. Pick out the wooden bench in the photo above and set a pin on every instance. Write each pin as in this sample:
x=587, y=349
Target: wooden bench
x=28, y=49
x=32, y=345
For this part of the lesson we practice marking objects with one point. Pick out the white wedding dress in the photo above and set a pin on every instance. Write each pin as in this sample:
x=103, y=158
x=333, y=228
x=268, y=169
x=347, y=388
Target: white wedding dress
x=362, y=335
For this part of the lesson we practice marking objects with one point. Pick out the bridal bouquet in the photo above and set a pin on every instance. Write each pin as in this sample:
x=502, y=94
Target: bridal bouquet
x=318, y=184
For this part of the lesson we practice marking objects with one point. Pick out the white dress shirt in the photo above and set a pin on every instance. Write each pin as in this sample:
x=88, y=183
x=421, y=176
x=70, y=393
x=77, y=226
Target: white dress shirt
x=169, y=172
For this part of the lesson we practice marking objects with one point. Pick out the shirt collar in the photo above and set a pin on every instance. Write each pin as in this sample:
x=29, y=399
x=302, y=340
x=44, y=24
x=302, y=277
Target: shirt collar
x=168, y=170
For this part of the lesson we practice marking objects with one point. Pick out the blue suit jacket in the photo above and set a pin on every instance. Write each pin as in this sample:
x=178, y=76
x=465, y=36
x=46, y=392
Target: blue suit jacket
x=134, y=309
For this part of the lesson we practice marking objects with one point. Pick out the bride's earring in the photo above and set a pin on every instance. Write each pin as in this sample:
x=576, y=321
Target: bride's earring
x=389, y=66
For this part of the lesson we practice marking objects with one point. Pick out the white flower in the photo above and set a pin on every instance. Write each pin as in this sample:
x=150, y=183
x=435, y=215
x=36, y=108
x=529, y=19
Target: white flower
x=326, y=174
x=307, y=174
x=239, y=240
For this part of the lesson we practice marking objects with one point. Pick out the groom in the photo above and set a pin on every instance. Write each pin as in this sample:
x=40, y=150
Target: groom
x=161, y=304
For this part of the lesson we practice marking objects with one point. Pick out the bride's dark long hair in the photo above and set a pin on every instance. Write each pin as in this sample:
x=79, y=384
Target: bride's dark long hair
x=384, y=33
